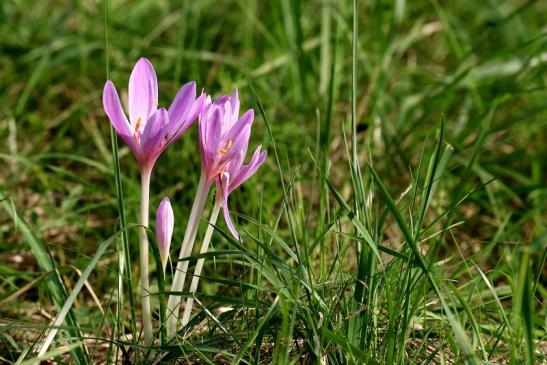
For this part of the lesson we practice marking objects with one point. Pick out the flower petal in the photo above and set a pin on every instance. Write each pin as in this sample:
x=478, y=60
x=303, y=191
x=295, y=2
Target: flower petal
x=221, y=100
x=210, y=134
x=224, y=183
x=235, y=164
x=143, y=92
x=153, y=141
x=234, y=99
x=191, y=117
x=238, y=136
x=248, y=170
x=226, y=115
x=114, y=111
x=196, y=108
x=182, y=103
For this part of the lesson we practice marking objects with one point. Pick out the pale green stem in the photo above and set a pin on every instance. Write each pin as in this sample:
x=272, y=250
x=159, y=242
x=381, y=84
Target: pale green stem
x=199, y=264
x=145, y=293
x=173, y=305
x=119, y=306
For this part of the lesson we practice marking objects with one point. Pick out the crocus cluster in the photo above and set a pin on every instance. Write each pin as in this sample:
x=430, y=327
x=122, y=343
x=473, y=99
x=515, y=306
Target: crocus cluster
x=223, y=143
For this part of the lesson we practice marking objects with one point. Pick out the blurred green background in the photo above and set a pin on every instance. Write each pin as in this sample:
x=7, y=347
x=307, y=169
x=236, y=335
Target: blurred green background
x=472, y=62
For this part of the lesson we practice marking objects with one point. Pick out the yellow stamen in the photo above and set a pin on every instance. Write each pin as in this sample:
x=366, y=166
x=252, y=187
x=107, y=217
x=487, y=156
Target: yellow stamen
x=225, y=149
x=137, y=126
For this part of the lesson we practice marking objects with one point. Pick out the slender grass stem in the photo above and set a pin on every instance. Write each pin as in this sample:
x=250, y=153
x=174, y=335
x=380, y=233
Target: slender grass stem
x=175, y=299
x=199, y=264
x=145, y=294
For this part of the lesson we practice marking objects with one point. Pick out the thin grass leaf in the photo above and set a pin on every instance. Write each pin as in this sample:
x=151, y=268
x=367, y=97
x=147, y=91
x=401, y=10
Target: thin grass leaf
x=454, y=323
x=254, y=334
x=67, y=306
x=54, y=283
x=124, y=257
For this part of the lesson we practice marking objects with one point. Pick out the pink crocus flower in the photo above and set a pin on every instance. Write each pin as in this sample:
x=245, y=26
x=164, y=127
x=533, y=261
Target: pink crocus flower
x=224, y=139
x=149, y=130
x=165, y=221
x=223, y=142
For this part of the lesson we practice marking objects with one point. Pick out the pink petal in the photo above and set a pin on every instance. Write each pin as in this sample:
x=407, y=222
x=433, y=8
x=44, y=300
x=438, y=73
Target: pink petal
x=224, y=182
x=248, y=170
x=153, y=141
x=196, y=108
x=238, y=136
x=226, y=115
x=235, y=105
x=143, y=92
x=182, y=103
x=113, y=109
x=235, y=164
x=211, y=133
x=221, y=100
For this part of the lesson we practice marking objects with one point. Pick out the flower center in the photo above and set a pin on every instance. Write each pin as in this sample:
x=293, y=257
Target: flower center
x=137, y=127
x=228, y=145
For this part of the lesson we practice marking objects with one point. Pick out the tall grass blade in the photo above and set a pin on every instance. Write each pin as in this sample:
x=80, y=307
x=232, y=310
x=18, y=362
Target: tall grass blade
x=124, y=254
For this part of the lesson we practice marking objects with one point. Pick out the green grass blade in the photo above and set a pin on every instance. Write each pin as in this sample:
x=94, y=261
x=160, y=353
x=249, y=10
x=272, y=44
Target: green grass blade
x=124, y=255
x=54, y=283
x=67, y=306
x=456, y=326
x=251, y=338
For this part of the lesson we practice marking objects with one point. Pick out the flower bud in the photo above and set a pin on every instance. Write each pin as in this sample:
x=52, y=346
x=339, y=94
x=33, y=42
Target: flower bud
x=165, y=221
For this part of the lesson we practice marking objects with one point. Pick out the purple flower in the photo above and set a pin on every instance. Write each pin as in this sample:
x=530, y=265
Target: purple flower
x=165, y=220
x=150, y=130
x=222, y=136
x=224, y=139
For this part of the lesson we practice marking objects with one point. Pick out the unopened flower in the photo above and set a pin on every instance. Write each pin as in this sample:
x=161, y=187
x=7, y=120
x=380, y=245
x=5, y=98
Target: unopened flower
x=149, y=130
x=165, y=220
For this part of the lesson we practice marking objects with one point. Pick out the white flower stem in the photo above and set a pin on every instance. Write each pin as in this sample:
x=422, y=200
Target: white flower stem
x=145, y=293
x=173, y=305
x=199, y=264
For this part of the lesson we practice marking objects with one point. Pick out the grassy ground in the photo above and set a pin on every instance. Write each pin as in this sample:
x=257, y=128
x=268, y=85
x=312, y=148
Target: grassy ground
x=400, y=216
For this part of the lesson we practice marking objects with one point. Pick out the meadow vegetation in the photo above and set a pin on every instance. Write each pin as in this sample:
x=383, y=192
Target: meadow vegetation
x=399, y=218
